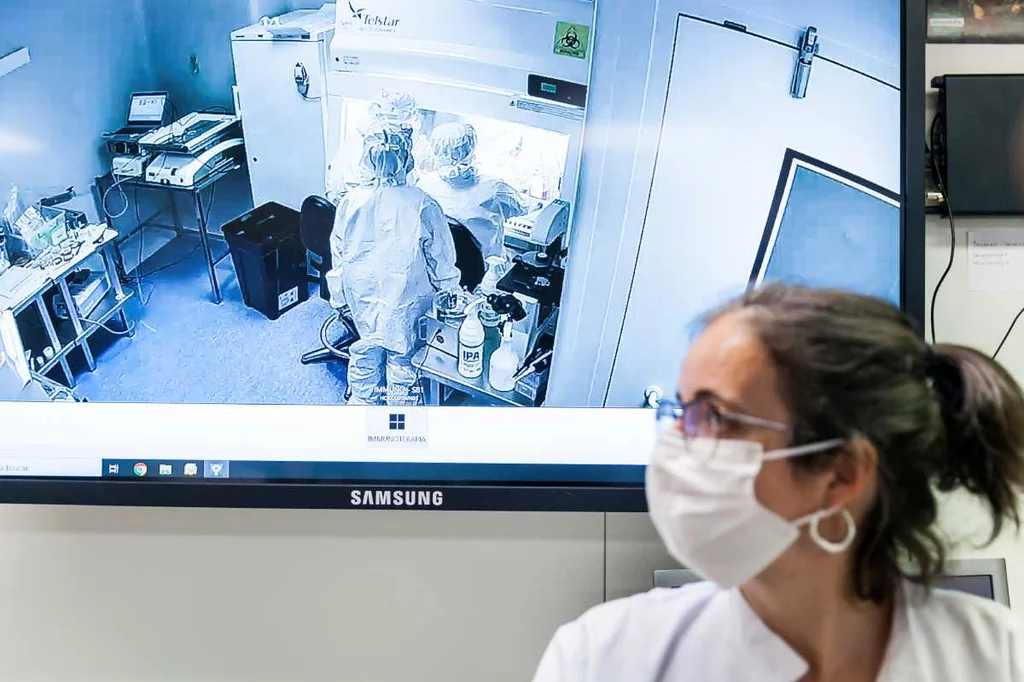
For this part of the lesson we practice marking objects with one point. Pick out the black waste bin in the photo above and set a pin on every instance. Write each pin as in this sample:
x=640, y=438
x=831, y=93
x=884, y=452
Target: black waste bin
x=270, y=258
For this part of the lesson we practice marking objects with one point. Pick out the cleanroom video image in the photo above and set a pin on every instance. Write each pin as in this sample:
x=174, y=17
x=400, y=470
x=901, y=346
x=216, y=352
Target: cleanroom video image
x=292, y=210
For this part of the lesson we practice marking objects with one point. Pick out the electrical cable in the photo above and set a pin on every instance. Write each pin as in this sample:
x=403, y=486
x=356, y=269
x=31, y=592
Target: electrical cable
x=421, y=401
x=127, y=332
x=934, y=149
x=206, y=218
x=337, y=317
x=124, y=198
x=1008, y=332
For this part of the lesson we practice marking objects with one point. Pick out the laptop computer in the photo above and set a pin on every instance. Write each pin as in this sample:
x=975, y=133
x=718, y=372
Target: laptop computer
x=148, y=110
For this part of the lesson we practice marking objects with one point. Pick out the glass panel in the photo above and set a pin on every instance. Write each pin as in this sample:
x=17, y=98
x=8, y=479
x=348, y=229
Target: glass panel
x=531, y=160
x=835, y=231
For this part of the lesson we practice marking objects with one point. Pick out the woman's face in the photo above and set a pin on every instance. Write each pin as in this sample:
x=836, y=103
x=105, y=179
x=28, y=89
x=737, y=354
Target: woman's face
x=729, y=364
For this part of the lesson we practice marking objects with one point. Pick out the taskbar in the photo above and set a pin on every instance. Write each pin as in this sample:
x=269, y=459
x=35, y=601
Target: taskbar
x=242, y=471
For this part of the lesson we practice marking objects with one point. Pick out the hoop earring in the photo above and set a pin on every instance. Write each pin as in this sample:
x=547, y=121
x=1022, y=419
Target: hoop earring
x=828, y=545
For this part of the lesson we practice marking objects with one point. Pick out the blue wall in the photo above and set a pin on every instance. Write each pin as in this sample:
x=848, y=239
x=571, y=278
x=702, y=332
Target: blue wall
x=86, y=62
x=178, y=29
x=85, y=65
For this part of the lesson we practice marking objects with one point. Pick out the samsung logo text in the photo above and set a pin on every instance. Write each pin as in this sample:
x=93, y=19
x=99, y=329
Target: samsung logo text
x=396, y=498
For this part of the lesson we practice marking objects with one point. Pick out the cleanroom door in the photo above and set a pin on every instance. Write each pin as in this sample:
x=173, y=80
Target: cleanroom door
x=730, y=119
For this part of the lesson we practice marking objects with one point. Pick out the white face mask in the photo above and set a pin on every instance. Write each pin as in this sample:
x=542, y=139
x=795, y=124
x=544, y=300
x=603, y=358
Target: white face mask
x=700, y=492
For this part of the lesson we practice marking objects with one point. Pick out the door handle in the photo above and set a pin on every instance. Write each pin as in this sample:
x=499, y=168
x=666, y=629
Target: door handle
x=807, y=50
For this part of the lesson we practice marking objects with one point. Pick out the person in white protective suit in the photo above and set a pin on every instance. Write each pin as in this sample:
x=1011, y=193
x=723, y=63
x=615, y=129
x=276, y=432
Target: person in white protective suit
x=481, y=203
x=392, y=251
x=393, y=108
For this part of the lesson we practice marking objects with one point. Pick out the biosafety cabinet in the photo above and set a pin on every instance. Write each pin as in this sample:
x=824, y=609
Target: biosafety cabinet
x=724, y=142
x=280, y=71
x=518, y=73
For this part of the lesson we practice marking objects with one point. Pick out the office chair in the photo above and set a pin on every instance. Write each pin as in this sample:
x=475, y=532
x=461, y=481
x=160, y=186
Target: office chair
x=316, y=222
x=468, y=257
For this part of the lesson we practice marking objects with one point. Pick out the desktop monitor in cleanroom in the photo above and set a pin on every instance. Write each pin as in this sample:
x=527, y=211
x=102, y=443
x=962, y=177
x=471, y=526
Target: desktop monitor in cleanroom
x=494, y=333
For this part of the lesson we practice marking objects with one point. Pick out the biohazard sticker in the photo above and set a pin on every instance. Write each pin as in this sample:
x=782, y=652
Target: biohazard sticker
x=572, y=40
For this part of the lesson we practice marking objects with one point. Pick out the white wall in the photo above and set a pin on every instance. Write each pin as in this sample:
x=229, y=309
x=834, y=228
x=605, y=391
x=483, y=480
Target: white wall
x=976, y=319
x=130, y=595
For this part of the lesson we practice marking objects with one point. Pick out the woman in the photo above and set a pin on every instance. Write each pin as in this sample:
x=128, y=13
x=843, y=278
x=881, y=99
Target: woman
x=798, y=474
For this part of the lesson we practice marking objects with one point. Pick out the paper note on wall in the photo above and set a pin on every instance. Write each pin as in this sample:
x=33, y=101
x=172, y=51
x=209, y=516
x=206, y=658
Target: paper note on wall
x=995, y=259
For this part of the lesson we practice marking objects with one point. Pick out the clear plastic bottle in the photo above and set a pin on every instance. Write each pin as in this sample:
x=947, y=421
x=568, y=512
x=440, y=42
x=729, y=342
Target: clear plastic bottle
x=471, y=345
x=504, y=363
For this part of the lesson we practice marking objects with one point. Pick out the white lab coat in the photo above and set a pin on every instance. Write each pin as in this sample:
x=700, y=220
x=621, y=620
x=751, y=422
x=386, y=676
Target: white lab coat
x=702, y=633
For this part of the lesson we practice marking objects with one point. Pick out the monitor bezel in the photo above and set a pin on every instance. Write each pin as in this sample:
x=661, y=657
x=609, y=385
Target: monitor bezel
x=510, y=497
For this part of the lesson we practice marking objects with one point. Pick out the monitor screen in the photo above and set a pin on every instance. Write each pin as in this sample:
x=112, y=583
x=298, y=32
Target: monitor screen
x=983, y=119
x=978, y=585
x=147, y=108
x=482, y=304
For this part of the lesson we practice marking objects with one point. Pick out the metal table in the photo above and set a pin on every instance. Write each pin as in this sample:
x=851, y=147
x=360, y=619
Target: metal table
x=439, y=369
x=196, y=192
x=77, y=329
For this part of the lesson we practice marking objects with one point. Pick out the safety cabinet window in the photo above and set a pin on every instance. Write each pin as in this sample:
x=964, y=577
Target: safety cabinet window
x=531, y=160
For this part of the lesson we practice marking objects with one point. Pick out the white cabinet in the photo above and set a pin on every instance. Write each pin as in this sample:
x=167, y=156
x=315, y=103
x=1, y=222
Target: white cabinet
x=283, y=120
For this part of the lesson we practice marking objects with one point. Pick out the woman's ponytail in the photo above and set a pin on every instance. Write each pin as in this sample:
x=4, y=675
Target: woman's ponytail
x=983, y=414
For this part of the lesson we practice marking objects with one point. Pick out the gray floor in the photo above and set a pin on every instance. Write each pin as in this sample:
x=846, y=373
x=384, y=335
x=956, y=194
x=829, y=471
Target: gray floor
x=188, y=350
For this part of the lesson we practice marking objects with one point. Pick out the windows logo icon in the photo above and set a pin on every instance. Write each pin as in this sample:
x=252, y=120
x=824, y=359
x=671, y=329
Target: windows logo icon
x=396, y=422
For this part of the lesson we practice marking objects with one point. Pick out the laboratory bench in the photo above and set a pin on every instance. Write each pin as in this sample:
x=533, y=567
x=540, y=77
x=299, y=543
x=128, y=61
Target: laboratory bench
x=33, y=288
x=438, y=373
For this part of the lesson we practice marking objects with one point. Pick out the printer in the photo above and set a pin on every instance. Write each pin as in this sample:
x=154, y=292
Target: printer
x=187, y=170
x=192, y=148
x=191, y=134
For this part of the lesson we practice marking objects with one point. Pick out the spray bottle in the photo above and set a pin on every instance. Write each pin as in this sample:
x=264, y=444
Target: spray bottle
x=471, y=342
x=504, y=363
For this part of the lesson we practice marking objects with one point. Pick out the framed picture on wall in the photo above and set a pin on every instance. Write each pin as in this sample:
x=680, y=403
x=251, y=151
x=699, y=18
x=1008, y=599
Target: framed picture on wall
x=976, y=21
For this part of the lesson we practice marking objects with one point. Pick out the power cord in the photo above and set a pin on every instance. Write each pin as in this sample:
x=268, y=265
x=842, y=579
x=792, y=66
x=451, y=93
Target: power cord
x=934, y=148
x=206, y=218
x=127, y=332
x=124, y=198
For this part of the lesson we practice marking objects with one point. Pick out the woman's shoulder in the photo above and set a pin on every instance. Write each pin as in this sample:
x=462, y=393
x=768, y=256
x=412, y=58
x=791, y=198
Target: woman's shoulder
x=637, y=617
x=642, y=637
x=941, y=625
x=951, y=607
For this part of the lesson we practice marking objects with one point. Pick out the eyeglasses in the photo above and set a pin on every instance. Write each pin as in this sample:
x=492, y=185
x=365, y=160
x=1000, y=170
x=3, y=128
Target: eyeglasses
x=703, y=418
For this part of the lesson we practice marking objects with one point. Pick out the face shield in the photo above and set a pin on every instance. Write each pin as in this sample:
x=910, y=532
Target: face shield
x=455, y=150
x=396, y=108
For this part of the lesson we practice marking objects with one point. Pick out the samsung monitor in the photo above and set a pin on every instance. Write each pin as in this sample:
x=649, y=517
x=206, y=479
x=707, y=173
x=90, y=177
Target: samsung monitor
x=628, y=166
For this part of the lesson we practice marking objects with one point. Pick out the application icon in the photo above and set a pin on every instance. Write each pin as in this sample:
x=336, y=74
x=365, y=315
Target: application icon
x=166, y=470
x=191, y=469
x=141, y=469
x=114, y=469
x=218, y=469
